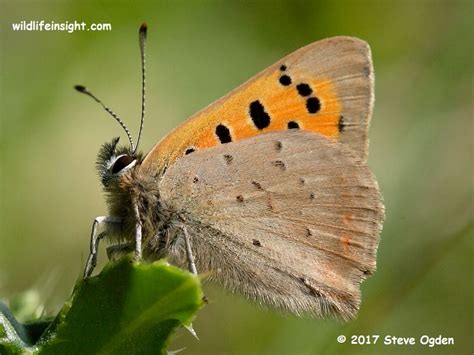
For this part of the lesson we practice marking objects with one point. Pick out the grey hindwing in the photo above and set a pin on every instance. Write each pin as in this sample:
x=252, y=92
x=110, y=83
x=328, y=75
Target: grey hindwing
x=289, y=219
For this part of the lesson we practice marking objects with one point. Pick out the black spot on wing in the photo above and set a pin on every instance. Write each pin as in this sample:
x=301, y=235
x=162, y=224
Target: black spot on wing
x=260, y=118
x=285, y=80
x=239, y=198
x=304, y=89
x=293, y=125
x=189, y=151
x=283, y=67
x=341, y=124
x=313, y=105
x=223, y=133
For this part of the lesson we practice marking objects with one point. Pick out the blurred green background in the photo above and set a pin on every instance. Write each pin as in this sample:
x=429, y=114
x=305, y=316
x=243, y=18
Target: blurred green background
x=421, y=150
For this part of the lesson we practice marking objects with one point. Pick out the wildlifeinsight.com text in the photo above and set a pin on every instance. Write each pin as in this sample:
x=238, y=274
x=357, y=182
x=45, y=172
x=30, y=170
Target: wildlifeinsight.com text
x=69, y=27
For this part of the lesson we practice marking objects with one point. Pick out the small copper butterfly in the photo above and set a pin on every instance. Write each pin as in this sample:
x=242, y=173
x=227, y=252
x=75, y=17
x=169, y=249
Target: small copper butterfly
x=266, y=191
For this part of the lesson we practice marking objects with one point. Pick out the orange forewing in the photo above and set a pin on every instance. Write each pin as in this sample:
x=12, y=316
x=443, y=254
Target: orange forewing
x=329, y=82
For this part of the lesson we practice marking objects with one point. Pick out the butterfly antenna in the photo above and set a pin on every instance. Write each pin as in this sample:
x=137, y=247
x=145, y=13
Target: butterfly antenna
x=142, y=43
x=83, y=90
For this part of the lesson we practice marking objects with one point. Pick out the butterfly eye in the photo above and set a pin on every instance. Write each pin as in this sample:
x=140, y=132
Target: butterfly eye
x=121, y=163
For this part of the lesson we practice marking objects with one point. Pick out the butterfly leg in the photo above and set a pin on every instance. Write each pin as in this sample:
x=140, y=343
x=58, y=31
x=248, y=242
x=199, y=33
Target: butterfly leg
x=95, y=239
x=189, y=252
x=138, y=235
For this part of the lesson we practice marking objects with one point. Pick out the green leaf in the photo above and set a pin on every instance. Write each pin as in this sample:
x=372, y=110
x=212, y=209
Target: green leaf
x=129, y=308
x=11, y=333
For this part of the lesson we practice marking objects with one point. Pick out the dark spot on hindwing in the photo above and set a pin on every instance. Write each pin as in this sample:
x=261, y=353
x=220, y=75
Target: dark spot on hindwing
x=228, y=159
x=308, y=232
x=293, y=125
x=223, y=133
x=279, y=164
x=285, y=80
x=313, y=104
x=304, y=89
x=311, y=196
x=341, y=124
x=256, y=243
x=195, y=179
x=283, y=67
x=260, y=118
x=189, y=151
x=278, y=146
x=257, y=185
x=302, y=181
x=239, y=198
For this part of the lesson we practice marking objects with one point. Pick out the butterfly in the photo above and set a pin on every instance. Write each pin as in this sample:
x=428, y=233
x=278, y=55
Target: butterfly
x=267, y=190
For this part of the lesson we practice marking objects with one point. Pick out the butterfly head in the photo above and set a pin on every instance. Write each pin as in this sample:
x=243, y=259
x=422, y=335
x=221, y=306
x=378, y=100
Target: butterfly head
x=113, y=161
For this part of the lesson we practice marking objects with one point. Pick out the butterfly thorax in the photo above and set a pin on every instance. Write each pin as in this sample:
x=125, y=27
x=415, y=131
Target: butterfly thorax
x=128, y=190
